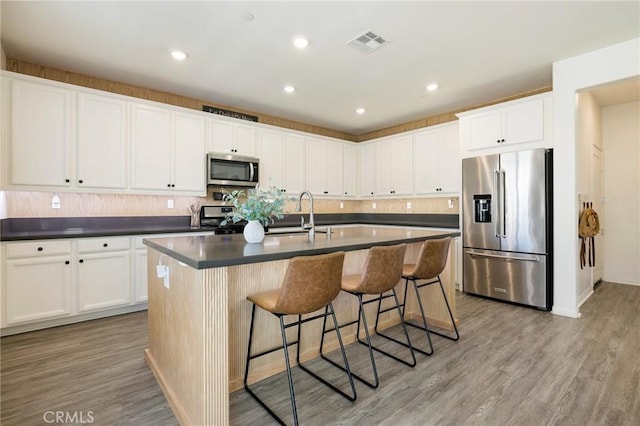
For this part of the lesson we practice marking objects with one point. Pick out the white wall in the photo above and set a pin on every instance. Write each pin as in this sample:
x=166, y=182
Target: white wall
x=588, y=134
x=621, y=143
x=602, y=66
x=3, y=57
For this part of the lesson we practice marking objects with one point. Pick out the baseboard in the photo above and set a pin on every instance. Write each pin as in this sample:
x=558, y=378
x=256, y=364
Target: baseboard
x=565, y=312
x=71, y=319
x=585, y=296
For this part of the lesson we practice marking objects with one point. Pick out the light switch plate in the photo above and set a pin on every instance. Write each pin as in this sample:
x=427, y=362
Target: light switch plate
x=169, y=204
x=55, y=202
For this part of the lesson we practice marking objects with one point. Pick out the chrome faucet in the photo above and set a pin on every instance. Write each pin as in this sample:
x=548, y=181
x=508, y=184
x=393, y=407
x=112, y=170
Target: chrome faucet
x=311, y=225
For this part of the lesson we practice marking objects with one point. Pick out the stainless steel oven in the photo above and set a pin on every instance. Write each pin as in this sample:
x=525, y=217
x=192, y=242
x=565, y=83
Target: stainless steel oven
x=232, y=170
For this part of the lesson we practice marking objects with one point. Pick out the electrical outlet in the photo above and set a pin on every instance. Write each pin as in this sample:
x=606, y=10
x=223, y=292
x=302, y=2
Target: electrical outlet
x=408, y=205
x=169, y=204
x=166, y=279
x=450, y=203
x=55, y=202
x=341, y=205
x=373, y=205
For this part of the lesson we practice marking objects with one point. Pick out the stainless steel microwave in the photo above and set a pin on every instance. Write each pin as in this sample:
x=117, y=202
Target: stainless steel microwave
x=232, y=170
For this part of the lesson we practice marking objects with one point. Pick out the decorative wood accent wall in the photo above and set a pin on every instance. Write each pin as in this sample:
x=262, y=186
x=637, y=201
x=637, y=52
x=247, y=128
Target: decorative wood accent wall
x=97, y=83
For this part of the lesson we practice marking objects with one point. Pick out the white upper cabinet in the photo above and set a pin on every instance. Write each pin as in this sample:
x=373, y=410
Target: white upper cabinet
x=41, y=135
x=293, y=164
x=349, y=167
x=324, y=167
x=167, y=150
x=150, y=148
x=436, y=160
x=394, y=166
x=189, y=165
x=228, y=137
x=522, y=121
x=102, y=142
x=271, y=159
x=281, y=161
x=367, y=187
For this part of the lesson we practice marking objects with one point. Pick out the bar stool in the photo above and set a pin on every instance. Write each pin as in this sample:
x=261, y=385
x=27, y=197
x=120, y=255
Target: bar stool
x=310, y=284
x=431, y=261
x=381, y=273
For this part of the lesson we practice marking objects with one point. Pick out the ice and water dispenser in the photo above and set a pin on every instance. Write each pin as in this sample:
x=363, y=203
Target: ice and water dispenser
x=482, y=208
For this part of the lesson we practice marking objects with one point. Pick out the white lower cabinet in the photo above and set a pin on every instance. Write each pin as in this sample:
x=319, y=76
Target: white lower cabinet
x=104, y=273
x=37, y=288
x=52, y=282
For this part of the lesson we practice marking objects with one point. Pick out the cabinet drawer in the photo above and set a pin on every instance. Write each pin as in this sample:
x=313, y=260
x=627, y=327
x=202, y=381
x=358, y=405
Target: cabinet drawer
x=95, y=245
x=38, y=248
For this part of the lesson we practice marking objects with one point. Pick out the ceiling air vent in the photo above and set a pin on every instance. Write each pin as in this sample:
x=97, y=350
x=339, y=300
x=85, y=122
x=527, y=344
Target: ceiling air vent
x=367, y=42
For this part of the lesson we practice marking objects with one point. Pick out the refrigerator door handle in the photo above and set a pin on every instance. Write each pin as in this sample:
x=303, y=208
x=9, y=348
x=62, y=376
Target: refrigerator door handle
x=496, y=196
x=530, y=258
x=503, y=230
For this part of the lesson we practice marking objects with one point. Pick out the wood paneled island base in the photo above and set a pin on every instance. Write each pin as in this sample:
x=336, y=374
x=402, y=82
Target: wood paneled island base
x=199, y=316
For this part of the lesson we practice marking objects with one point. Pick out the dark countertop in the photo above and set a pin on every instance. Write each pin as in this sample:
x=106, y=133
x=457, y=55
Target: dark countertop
x=19, y=229
x=202, y=252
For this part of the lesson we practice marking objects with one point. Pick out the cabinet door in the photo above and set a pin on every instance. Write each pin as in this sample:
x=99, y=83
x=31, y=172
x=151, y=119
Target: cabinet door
x=367, y=169
x=294, y=164
x=484, y=130
x=103, y=280
x=349, y=170
x=37, y=289
x=316, y=166
x=334, y=166
x=384, y=167
x=102, y=143
x=271, y=159
x=450, y=163
x=41, y=135
x=402, y=168
x=140, y=276
x=221, y=136
x=150, y=148
x=427, y=162
x=245, y=140
x=523, y=122
x=189, y=153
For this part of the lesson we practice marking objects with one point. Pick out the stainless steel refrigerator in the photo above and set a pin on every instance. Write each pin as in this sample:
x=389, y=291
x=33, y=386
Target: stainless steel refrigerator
x=507, y=227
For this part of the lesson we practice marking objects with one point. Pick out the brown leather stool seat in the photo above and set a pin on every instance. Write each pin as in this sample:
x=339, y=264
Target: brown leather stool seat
x=381, y=273
x=311, y=283
x=431, y=261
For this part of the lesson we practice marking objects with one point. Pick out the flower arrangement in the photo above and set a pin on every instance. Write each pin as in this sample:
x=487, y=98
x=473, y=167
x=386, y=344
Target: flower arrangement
x=256, y=204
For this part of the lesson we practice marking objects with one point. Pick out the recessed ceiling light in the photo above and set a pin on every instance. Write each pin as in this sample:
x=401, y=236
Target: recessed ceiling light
x=178, y=55
x=432, y=86
x=289, y=89
x=360, y=110
x=300, y=42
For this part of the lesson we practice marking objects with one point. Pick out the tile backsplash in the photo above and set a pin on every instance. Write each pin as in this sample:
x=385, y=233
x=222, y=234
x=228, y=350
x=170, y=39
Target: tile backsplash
x=75, y=204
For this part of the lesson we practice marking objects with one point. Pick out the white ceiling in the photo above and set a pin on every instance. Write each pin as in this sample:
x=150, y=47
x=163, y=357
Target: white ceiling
x=618, y=92
x=476, y=51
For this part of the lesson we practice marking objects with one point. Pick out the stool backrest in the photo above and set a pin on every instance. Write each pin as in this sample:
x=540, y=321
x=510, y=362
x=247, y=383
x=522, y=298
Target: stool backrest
x=310, y=283
x=382, y=269
x=432, y=258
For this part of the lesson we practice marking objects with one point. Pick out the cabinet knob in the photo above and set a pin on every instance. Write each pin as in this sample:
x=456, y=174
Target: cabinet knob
x=105, y=245
x=345, y=193
x=283, y=190
x=67, y=180
x=80, y=181
x=81, y=261
x=40, y=248
x=501, y=140
x=371, y=192
x=173, y=185
x=325, y=192
x=66, y=262
x=168, y=185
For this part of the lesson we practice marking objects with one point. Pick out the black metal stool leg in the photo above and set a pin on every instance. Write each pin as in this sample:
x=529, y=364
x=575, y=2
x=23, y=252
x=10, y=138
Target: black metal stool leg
x=346, y=369
x=453, y=322
x=424, y=322
x=424, y=317
x=288, y=366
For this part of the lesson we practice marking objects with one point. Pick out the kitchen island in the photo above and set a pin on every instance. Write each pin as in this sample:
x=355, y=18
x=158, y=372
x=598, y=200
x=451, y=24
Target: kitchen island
x=199, y=316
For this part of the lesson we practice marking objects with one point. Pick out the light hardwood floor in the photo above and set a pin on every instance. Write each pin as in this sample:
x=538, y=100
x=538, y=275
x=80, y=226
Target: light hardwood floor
x=512, y=366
